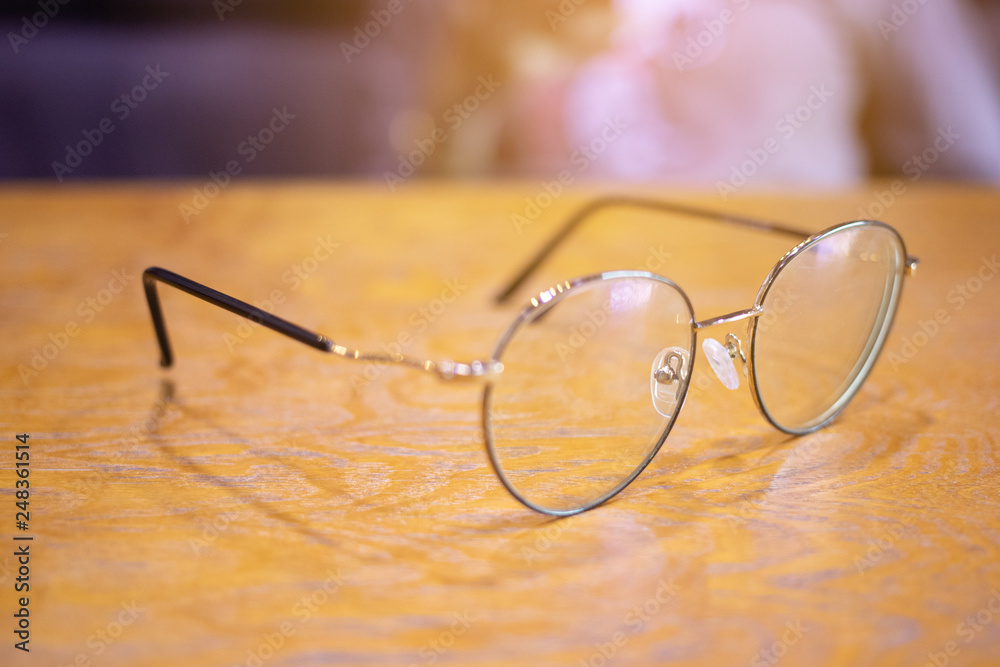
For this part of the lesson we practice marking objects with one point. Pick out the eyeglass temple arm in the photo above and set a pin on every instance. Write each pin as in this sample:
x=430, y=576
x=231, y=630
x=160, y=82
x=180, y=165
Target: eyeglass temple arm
x=446, y=369
x=608, y=202
x=153, y=274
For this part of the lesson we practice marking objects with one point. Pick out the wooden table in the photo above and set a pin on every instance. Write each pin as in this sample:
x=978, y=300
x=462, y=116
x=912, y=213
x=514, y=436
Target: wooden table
x=262, y=503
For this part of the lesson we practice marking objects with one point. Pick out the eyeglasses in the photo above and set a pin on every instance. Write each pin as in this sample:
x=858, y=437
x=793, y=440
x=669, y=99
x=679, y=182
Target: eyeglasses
x=583, y=388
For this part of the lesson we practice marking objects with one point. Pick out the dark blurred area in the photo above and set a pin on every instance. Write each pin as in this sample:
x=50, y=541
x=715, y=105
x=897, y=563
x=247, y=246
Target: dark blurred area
x=222, y=73
x=300, y=12
x=376, y=88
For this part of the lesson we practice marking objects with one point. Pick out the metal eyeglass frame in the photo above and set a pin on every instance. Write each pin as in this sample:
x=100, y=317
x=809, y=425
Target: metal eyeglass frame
x=485, y=370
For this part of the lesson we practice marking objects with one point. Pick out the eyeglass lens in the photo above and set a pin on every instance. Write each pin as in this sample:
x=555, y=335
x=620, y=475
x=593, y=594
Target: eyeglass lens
x=591, y=384
x=825, y=318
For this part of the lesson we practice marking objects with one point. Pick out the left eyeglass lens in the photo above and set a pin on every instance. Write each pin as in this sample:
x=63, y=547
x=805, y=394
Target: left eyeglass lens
x=826, y=315
x=576, y=413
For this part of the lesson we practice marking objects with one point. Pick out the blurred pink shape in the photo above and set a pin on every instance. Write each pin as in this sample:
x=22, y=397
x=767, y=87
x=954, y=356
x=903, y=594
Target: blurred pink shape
x=738, y=93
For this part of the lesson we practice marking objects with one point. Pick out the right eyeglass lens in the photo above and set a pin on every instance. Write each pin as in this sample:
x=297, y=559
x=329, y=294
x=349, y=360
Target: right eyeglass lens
x=825, y=319
x=579, y=408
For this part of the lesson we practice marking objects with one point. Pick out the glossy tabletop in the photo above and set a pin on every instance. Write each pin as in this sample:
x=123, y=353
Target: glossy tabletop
x=262, y=503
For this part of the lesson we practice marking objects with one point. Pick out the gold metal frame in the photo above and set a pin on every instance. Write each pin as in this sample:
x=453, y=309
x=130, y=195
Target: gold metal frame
x=906, y=268
x=532, y=312
x=489, y=369
x=549, y=297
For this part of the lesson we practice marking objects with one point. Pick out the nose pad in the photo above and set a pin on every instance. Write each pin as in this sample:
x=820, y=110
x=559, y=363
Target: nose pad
x=722, y=359
x=667, y=377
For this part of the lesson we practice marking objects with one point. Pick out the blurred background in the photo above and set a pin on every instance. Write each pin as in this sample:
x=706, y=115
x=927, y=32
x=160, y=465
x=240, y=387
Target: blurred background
x=718, y=93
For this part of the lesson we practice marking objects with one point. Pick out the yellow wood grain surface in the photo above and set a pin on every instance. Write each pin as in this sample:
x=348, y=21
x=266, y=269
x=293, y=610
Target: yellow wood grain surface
x=264, y=504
